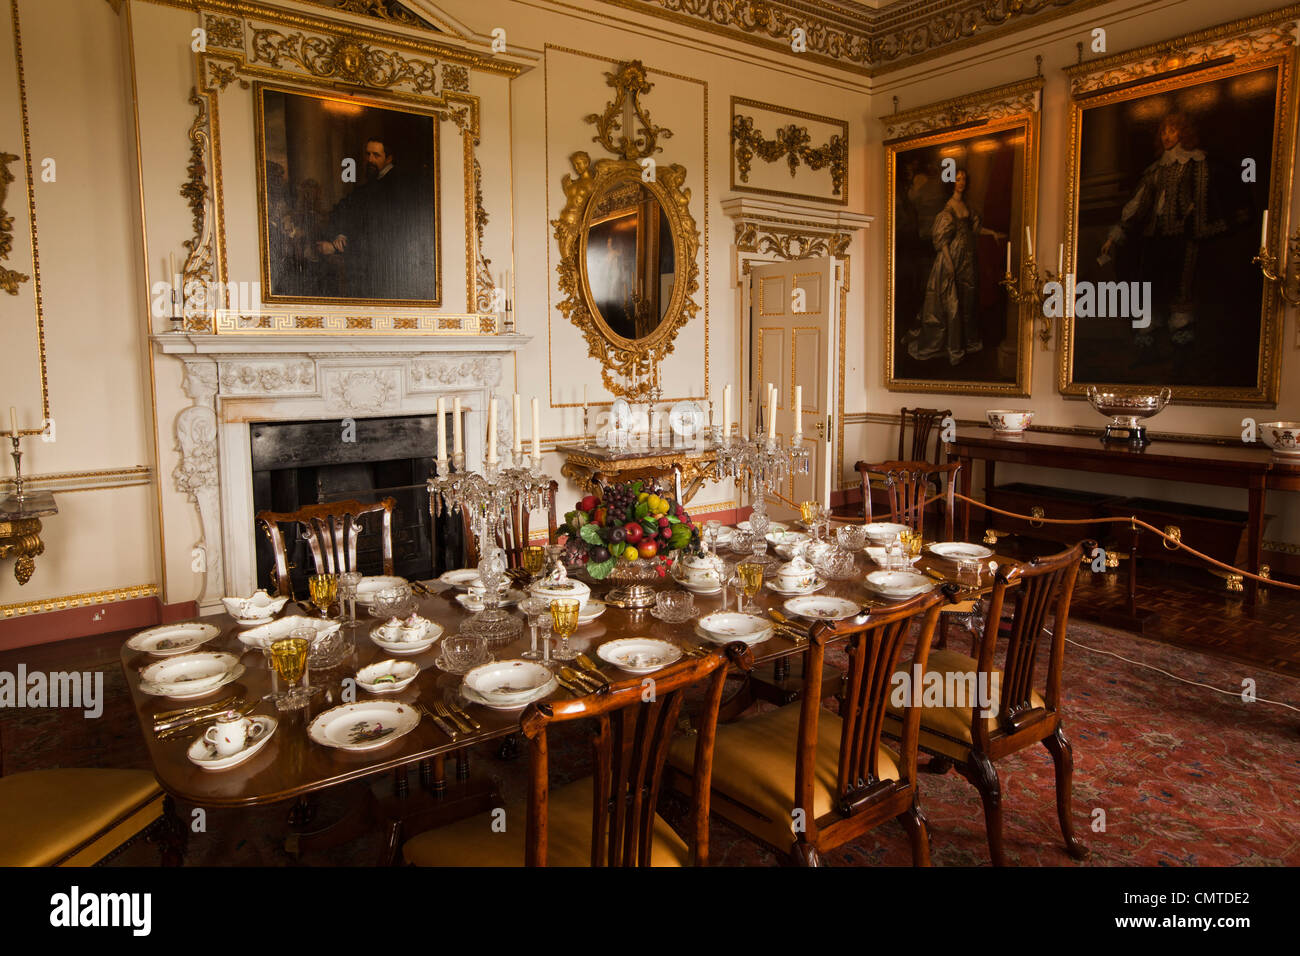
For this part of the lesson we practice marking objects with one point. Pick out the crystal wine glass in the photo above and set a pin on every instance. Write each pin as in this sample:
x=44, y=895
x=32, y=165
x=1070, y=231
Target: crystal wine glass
x=564, y=618
x=533, y=558
x=751, y=579
x=711, y=531
x=348, y=582
x=323, y=589
x=289, y=661
x=538, y=610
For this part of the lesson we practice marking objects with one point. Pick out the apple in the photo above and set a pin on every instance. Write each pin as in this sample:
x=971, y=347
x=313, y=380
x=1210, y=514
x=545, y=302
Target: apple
x=648, y=548
x=587, y=503
x=633, y=530
x=599, y=554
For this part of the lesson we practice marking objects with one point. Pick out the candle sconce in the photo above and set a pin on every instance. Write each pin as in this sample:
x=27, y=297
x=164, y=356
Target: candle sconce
x=1029, y=291
x=1285, y=279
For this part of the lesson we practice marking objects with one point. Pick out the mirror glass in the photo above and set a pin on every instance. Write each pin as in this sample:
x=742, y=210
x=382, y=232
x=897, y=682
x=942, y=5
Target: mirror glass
x=631, y=261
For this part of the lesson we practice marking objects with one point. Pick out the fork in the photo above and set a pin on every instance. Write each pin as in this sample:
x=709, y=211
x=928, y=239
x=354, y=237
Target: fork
x=438, y=721
x=456, y=708
x=442, y=710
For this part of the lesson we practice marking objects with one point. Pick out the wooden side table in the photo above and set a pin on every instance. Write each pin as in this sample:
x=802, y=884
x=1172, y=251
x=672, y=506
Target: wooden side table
x=20, y=530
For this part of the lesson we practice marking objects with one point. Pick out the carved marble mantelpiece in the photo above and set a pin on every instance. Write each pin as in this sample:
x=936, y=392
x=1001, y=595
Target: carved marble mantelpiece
x=232, y=380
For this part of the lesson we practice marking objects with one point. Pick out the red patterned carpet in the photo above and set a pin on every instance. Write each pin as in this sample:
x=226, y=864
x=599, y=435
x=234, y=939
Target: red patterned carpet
x=1184, y=775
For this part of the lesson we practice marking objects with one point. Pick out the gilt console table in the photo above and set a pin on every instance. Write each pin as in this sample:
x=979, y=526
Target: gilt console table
x=690, y=466
x=20, y=530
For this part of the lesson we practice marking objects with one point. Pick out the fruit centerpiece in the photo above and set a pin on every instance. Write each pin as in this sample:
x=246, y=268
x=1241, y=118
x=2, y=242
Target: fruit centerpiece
x=630, y=522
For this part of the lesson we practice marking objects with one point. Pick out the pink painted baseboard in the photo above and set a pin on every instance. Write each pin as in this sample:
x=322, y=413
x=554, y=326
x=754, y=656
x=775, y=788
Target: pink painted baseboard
x=93, y=619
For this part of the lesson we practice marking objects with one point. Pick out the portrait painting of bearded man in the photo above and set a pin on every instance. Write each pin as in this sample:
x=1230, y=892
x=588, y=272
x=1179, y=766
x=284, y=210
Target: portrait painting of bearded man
x=350, y=210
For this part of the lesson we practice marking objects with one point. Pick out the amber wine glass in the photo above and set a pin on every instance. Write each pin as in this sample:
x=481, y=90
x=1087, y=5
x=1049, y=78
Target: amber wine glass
x=564, y=618
x=289, y=660
x=751, y=579
x=533, y=559
x=323, y=589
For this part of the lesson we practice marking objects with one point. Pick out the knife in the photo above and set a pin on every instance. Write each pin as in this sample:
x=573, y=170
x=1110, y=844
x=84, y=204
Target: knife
x=578, y=677
x=456, y=708
x=592, y=669
x=577, y=690
x=233, y=700
x=177, y=728
x=461, y=724
x=438, y=721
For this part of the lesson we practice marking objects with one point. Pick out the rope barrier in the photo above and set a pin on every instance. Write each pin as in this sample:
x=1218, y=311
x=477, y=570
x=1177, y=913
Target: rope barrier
x=1170, y=542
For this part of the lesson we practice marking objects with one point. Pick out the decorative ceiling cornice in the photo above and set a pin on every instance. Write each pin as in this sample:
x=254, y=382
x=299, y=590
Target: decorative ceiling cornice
x=853, y=36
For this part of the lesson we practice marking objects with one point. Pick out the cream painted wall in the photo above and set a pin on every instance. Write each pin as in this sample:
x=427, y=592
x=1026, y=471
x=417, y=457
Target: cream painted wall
x=78, y=102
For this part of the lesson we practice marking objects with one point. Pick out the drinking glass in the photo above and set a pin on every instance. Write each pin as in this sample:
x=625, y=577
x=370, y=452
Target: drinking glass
x=348, y=582
x=742, y=542
x=533, y=558
x=289, y=661
x=538, y=610
x=674, y=607
x=807, y=510
x=323, y=588
x=564, y=618
x=751, y=580
x=711, y=532
x=461, y=653
x=896, y=554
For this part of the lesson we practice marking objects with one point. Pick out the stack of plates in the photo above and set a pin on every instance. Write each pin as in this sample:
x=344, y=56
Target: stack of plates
x=365, y=725
x=821, y=608
x=190, y=675
x=172, y=639
x=898, y=585
x=508, y=685
x=639, y=655
x=959, y=550
x=723, y=627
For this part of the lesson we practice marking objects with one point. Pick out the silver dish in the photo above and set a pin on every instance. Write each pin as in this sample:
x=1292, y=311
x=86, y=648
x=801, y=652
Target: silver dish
x=1126, y=410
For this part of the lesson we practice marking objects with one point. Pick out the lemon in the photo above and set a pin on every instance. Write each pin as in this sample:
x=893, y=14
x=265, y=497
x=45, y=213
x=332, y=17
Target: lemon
x=631, y=553
x=643, y=496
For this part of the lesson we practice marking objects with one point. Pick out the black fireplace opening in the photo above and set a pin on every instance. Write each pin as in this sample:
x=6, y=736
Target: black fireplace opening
x=367, y=459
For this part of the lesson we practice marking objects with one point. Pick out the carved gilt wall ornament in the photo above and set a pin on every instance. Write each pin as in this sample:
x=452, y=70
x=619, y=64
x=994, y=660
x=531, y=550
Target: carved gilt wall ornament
x=485, y=285
x=793, y=143
x=224, y=32
x=630, y=83
x=9, y=279
x=1011, y=100
x=345, y=58
x=198, y=274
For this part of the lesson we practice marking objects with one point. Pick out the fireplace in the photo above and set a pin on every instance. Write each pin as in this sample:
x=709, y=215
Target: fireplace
x=295, y=464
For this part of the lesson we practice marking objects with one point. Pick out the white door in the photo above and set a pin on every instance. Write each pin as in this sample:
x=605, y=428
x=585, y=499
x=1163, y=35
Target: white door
x=794, y=308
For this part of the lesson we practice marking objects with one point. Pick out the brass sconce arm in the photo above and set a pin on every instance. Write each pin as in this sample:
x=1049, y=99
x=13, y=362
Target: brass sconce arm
x=1285, y=279
x=1029, y=290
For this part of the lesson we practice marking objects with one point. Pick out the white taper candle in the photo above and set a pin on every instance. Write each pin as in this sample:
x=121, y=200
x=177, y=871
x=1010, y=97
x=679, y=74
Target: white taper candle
x=458, y=440
x=442, y=430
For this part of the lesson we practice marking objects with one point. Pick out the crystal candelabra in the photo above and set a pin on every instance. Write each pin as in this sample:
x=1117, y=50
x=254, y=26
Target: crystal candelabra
x=489, y=497
x=761, y=464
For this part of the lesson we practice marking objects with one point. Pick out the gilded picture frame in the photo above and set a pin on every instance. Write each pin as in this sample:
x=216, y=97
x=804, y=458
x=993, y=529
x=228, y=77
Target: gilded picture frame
x=961, y=187
x=1175, y=150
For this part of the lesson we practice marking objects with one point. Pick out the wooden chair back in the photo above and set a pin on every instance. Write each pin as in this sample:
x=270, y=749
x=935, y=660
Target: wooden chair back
x=635, y=720
x=874, y=647
x=924, y=421
x=514, y=536
x=1044, y=584
x=331, y=531
x=908, y=486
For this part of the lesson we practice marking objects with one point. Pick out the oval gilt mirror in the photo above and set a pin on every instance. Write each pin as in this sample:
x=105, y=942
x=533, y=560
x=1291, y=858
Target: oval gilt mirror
x=627, y=268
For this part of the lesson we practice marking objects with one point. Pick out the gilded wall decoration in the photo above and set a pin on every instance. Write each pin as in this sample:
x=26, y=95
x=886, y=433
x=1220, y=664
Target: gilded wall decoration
x=1178, y=301
x=818, y=142
x=345, y=58
x=225, y=32
x=197, y=274
x=9, y=279
x=630, y=83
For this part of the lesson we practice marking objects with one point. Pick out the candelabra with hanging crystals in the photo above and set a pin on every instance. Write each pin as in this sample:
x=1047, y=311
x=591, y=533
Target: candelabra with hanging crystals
x=489, y=497
x=759, y=465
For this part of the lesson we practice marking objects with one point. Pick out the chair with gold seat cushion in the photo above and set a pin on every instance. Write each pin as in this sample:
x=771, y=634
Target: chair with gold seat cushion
x=610, y=818
x=804, y=780
x=73, y=817
x=1018, y=716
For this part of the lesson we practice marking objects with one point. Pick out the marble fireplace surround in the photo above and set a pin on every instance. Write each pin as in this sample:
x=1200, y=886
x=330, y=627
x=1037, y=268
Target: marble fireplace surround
x=233, y=379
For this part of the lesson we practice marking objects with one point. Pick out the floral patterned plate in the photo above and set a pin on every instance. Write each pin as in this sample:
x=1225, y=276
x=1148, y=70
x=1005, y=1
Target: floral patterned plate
x=170, y=639
x=723, y=627
x=365, y=725
x=822, y=608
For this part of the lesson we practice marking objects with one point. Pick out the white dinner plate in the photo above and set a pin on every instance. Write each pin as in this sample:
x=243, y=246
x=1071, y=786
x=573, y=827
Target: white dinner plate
x=171, y=639
x=589, y=612
x=817, y=585
x=460, y=578
x=699, y=588
x=639, y=655
x=881, y=531
x=372, y=584
x=959, y=550
x=387, y=677
x=879, y=556
x=172, y=692
x=509, y=682
x=821, y=608
x=365, y=725
x=193, y=673
x=263, y=635
x=723, y=627
x=204, y=756
x=898, y=584
x=471, y=603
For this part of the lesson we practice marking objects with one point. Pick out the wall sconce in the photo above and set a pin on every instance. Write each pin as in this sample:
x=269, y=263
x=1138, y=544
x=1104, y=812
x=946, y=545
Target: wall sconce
x=1029, y=288
x=1286, y=280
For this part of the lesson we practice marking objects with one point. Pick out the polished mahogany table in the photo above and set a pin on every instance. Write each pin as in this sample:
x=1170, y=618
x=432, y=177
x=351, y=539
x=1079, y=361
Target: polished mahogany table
x=290, y=765
x=1220, y=465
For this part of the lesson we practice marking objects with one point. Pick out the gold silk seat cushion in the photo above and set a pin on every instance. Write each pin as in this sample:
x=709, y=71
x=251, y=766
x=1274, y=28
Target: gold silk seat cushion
x=754, y=761
x=947, y=730
x=46, y=814
x=473, y=842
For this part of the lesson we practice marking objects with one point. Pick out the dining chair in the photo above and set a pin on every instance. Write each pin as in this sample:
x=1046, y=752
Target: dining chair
x=963, y=736
x=910, y=487
x=331, y=531
x=609, y=818
x=805, y=780
x=923, y=423
x=75, y=816
x=514, y=536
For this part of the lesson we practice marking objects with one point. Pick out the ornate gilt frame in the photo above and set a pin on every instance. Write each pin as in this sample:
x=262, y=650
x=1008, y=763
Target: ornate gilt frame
x=1014, y=106
x=310, y=54
x=1265, y=41
x=620, y=356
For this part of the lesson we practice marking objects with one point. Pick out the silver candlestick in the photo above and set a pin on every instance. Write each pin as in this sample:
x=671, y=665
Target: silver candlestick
x=760, y=465
x=490, y=496
x=19, y=495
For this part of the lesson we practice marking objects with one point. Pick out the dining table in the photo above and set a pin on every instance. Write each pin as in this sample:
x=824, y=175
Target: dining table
x=290, y=766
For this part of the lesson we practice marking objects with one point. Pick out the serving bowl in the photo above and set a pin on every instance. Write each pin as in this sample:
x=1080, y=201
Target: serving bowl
x=259, y=608
x=1008, y=421
x=1282, y=437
